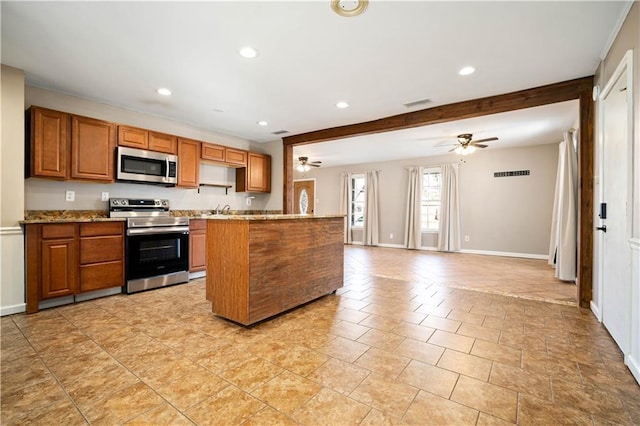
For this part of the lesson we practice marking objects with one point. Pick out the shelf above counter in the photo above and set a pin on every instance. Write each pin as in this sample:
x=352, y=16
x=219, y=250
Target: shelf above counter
x=216, y=185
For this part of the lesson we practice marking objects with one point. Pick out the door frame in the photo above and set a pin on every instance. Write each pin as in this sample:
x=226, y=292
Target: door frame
x=624, y=66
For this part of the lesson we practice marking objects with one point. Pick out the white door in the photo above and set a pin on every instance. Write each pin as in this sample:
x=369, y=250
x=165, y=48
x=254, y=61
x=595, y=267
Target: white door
x=616, y=256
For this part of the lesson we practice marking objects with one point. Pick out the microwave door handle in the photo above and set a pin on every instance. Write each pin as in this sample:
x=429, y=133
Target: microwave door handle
x=166, y=172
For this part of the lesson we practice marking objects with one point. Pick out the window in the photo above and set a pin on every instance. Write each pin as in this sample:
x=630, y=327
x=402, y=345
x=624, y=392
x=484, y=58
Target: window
x=357, y=200
x=430, y=200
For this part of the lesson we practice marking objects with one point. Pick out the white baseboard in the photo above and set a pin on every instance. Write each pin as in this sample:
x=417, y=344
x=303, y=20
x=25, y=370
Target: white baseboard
x=199, y=274
x=596, y=311
x=507, y=254
x=634, y=366
x=481, y=252
x=15, y=309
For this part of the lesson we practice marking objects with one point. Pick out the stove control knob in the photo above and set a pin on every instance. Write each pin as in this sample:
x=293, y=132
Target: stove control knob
x=115, y=202
x=156, y=202
x=125, y=202
x=164, y=202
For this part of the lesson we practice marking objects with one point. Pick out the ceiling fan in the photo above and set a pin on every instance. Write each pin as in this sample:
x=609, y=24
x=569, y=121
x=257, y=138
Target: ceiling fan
x=305, y=165
x=466, y=144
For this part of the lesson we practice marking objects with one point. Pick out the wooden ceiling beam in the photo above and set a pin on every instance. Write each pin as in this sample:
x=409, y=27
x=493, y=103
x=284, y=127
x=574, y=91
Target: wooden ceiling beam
x=543, y=95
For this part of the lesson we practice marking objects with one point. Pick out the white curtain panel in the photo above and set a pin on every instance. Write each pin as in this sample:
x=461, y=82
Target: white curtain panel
x=372, y=210
x=449, y=234
x=564, y=230
x=413, y=229
x=345, y=205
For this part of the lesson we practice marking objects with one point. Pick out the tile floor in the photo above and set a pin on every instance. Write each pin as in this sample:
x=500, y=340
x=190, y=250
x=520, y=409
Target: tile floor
x=401, y=343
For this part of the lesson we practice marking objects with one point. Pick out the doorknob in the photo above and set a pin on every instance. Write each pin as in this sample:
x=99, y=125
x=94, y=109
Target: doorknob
x=602, y=228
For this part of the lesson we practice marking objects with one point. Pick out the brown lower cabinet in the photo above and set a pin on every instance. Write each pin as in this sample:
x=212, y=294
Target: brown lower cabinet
x=64, y=259
x=197, y=245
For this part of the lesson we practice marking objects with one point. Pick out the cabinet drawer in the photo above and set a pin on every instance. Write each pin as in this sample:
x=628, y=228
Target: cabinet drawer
x=101, y=249
x=101, y=275
x=101, y=228
x=58, y=230
x=197, y=224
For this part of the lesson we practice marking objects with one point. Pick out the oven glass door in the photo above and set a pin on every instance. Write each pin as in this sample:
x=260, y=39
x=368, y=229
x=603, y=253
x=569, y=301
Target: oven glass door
x=149, y=255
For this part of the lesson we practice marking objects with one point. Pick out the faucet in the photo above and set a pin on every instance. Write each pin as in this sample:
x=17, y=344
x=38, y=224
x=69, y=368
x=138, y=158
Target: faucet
x=217, y=209
x=226, y=209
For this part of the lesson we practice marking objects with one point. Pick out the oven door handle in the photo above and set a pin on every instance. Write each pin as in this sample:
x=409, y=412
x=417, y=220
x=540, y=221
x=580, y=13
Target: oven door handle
x=159, y=230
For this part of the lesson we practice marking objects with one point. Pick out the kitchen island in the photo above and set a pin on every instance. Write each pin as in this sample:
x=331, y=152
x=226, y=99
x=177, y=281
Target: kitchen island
x=261, y=265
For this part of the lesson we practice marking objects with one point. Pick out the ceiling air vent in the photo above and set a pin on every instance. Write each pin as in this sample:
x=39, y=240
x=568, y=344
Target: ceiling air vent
x=512, y=173
x=280, y=132
x=417, y=103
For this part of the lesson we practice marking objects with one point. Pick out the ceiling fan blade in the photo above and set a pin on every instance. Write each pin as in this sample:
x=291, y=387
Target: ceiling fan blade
x=486, y=139
x=479, y=145
x=453, y=149
x=313, y=165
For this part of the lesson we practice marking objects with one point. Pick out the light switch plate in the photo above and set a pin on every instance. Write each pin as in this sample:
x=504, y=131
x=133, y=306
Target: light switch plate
x=70, y=195
x=105, y=196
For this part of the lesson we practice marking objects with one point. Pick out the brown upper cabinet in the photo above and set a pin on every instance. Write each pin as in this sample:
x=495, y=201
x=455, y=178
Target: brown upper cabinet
x=256, y=177
x=161, y=142
x=223, y=155
x=66, y=146
x=188, y=163
x=93, y=143
x=146, y=139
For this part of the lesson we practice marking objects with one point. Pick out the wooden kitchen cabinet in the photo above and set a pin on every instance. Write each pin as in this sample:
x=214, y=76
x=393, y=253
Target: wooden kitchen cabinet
x=66, y=146
x=133, y=137
x=58, y=260
x=256, y=177
x=101, y=255
x=47, y=143
x=223, y=155
x=188, y=163
x=65, y=259
x=93, y=144
x=197, y=245
x=161, y=142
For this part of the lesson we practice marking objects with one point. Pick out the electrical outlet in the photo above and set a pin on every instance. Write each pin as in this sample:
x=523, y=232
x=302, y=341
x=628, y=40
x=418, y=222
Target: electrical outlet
x=70, y=195
x=391, y=236
x=467, y=238
x=105, y=196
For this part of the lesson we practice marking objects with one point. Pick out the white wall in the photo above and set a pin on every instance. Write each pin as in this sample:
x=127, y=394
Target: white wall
x=508, y=215
x=12, y=191
x=44, y=194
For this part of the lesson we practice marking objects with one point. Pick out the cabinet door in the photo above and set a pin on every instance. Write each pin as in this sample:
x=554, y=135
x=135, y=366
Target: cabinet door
x=197, y=251
x=259, y=172
x=49, y=144
x=188, y=163
x=161, y=142
x=133, y=137
x=213, y=152
x=59, y=268
x=236, y=157
x=93, y=145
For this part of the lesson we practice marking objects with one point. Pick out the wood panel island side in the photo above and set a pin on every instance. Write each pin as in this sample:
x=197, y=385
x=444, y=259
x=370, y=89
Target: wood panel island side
x=261, y=265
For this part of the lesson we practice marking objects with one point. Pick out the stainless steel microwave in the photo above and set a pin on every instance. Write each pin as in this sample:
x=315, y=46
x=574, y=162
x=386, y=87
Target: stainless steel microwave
x=137, y=165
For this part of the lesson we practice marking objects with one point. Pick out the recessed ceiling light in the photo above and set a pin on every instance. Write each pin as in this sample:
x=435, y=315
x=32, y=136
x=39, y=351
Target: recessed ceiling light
x=262, y=123
x=342, y=105
x=467, y=71
x=218, y=110
x=349, y=8
x=164, y=91
x=248, y=52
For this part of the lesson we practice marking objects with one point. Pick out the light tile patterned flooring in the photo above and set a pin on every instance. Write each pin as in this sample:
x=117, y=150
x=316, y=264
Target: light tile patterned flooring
x=401, y=343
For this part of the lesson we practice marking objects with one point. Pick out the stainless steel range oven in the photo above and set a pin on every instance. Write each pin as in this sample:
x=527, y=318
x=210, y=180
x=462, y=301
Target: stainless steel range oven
x=156, y=245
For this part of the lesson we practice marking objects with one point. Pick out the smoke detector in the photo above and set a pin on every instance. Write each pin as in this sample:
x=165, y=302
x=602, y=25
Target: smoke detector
x=349, y=8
